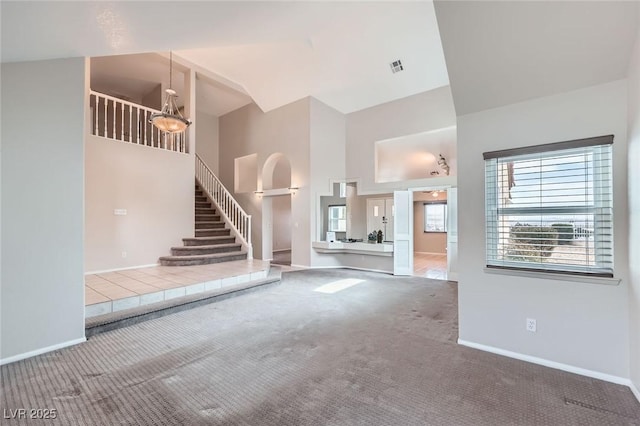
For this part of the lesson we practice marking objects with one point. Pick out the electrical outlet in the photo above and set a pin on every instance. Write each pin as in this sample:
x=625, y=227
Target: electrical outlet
x=124, y=254
x=531, y=325
x=120, y=212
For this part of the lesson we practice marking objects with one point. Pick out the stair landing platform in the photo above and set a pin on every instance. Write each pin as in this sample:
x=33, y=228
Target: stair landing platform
x=116, y=291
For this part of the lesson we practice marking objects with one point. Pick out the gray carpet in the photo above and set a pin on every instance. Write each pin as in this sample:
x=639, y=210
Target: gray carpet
x=380, y=353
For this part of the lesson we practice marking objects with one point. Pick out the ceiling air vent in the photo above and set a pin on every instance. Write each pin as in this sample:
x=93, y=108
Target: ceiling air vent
x=396, y=66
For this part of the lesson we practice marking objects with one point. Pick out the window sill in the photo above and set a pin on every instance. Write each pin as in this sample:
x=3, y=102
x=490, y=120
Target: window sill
x=553, y=276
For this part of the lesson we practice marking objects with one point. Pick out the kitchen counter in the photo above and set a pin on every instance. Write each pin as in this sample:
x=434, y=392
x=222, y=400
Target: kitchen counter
x=384, y=249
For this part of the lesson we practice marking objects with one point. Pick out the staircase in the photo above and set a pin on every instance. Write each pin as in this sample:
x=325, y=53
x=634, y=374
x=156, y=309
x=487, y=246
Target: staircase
x=213, y=242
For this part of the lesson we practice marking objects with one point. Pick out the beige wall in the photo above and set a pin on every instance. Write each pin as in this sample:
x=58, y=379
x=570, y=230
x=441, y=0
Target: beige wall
x=580, y=324
x=154, y=186
x=634, y=212
x=419, y=113
x=327, y=161
x=285, y=130
x=153, y=99
x=207, y=137
x=426, y=242
x=42, y=297
x=281, y=222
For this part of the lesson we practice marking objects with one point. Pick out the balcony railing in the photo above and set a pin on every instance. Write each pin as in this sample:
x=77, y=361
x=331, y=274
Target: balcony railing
x=125, y=121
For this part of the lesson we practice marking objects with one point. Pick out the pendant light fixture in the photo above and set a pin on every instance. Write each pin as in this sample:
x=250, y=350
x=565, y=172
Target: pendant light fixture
x=170, y=120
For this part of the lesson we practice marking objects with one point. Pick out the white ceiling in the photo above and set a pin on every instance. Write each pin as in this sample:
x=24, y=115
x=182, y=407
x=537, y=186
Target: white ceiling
x=338, y=52
x=502, y=52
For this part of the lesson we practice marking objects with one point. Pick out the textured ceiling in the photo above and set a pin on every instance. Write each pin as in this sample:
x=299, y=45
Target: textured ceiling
x=277, y=52
x=502, y=52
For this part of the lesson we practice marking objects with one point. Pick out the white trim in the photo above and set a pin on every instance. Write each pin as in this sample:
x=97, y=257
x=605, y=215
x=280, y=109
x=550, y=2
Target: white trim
x=278, y=251
x=347, y=267
x=277, y=192
x=104, y=271
x=547, y=363
x=634, y=390
x=298, y=266
x=41, y=351
x=553, y=276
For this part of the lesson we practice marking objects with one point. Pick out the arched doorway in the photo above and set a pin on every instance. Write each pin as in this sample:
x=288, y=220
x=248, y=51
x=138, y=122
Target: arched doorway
x=276, y=210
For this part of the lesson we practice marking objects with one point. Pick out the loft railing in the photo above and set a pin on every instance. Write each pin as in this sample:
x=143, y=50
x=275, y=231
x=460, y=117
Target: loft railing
x=230, y=210
x=117, y=119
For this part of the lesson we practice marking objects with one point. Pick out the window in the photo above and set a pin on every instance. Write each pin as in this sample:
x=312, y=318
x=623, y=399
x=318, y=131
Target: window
x=338, y=218
x=435, y=217
x=550, y=207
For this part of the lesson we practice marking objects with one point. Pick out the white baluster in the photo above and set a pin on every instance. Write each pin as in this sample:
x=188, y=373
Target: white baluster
x=106, y=133
x=95, y=111
x=122, y=122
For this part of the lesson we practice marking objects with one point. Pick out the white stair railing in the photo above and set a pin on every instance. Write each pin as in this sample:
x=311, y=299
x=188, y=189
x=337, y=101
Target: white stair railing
x=230, y=210
x=125, y=121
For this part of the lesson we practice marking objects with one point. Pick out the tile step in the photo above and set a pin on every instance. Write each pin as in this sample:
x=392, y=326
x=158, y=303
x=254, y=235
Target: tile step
x=201, y=294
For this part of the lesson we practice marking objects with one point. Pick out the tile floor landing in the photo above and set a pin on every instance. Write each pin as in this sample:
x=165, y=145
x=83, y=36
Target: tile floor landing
x=115, y=291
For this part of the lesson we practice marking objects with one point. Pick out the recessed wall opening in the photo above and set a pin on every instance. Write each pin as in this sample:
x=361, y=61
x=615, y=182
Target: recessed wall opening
x=276, y=210
x=276, y=173
x=417, y=156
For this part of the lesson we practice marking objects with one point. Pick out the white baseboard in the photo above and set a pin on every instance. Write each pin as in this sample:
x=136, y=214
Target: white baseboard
x=281, y=250
x=41, y=351
x=635, y=391
x=548, y=363
x=300, y=266
x=430, y=252
x=104, y=271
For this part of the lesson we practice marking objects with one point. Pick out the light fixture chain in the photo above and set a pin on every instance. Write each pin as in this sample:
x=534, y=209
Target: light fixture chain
x=170, y=69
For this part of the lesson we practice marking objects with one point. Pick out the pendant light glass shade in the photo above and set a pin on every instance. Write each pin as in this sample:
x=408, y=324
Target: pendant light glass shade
x=169, y=119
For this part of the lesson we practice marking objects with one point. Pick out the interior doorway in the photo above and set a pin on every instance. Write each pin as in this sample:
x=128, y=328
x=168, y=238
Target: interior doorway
x=281, y=239
x=430, y=233
x=276, y=210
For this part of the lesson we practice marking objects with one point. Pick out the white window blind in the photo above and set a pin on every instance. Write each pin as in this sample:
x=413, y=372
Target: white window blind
x=550, y=207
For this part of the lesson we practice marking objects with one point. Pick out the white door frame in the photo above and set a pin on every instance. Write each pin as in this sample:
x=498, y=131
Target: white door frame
x=403, y=229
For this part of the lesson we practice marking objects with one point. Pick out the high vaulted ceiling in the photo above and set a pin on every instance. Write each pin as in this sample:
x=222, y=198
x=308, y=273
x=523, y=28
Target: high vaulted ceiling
x=278, y=52
x=502, y=52
x=497, y=52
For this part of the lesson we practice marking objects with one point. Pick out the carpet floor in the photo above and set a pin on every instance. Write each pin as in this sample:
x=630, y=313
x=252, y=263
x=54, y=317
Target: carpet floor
x=380, y=352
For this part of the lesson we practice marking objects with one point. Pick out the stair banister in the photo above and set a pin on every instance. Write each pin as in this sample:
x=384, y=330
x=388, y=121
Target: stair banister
x=134, y=126
x=236, y=217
